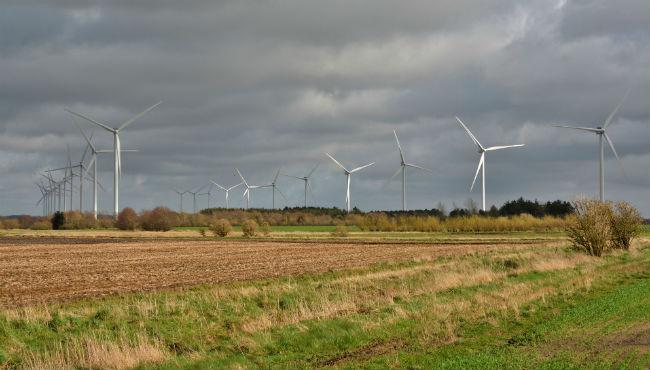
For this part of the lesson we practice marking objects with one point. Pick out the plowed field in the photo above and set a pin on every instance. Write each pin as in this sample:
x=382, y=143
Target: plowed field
x=34, y=270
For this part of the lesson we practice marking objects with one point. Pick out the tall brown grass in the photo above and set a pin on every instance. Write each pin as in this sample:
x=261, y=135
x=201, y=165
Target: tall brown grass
x=475, y=223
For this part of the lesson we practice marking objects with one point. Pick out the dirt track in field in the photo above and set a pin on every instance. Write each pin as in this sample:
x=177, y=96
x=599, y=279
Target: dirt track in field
x=34, y=270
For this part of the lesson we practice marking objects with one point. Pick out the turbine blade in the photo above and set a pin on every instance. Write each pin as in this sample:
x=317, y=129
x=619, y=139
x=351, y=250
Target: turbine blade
x=242, y=177
x=503, y=147
x=285, y=198
x=105, y=127
x=590, y=129
x=337, y=162
x=611, y=115
x=138, y=116
x=392, y=177
x=219, y=186
x=418, y=167
x=480, y=163
x=470, y=133
x=84, y=134
x=401, y=153
x=611, y=145
x=362, y=167
x=232, y=187
x=276, y=175
x=312, y=170
x=83, y=156
x=295, y=177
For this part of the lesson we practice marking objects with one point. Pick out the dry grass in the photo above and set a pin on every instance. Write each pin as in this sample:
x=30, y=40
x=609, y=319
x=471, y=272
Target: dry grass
x=92, y=353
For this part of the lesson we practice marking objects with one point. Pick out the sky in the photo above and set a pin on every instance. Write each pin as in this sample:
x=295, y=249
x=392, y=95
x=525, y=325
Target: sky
x=260, y=85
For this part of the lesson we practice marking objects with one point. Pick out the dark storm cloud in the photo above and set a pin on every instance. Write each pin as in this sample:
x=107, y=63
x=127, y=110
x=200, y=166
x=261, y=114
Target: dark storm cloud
x=259, y=85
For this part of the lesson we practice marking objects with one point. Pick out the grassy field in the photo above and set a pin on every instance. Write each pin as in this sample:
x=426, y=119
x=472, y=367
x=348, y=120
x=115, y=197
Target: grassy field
x=534, y=306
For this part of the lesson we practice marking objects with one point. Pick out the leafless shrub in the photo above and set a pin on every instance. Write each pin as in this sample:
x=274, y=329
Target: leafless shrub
x=127, y=219
x=265, y=228
x=159, y=219
x=41, y=225
x=221, y=228
x=590, y=228
x=340, y=231
x=626, y=224
x=249, y=228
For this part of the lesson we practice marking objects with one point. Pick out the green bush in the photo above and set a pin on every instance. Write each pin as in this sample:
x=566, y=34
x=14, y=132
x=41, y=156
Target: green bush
x=249, y=228
x=626, y=224
x=221, y=228
x=58, y=220
x=127, y=219
x=590, y=228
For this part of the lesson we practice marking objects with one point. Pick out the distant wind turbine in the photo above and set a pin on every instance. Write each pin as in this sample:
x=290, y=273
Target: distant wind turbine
x=481, y=163
x=306, y=180
x=226, y=190
x=348, y=173
x=180, y=194
x=403, y=166
x=247, y=192
x=117, y=152
x=602, y=134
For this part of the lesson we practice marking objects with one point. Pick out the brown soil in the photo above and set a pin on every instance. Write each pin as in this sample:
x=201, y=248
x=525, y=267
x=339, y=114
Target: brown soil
x=34, y=270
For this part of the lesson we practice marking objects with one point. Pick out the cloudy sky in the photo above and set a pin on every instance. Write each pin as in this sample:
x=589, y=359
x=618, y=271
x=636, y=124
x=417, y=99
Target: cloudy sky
x=262, y=84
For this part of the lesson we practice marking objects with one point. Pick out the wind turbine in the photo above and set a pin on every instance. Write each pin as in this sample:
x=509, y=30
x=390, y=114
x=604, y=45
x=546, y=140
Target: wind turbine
x=93, y=163
x=208, y=193
x=602, y=135
x=117, y=152
x=227, y=190
x=180, y=194
x=403, y=166
x=247, y=192
x=306, y=181
x=274, y=186
x=481, y=163
x=348, y=173
x=194, y=193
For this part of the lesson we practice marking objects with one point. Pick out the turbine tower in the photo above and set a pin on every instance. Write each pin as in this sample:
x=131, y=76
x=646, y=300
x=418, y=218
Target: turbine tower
x=481, y=163
x=226, y=190
x=403, y=166
x=117, y=152
x=305, y=179
x=601, y=131
x=348, y=173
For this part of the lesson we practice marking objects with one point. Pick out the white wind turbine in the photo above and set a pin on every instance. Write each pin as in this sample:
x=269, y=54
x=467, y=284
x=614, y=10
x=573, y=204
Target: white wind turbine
x=403, y=166
x=305, y=179
x=247, y=192
x=117, y=152
x=481, y=163
x=602, y=135
x=348, y=173
x=93, y=163
x=226, y=190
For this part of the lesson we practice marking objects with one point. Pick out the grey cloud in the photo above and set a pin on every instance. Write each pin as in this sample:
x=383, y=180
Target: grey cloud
x=261, y=85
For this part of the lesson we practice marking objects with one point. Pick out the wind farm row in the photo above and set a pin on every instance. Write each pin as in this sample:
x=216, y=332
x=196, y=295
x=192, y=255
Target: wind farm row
x=58, y=185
